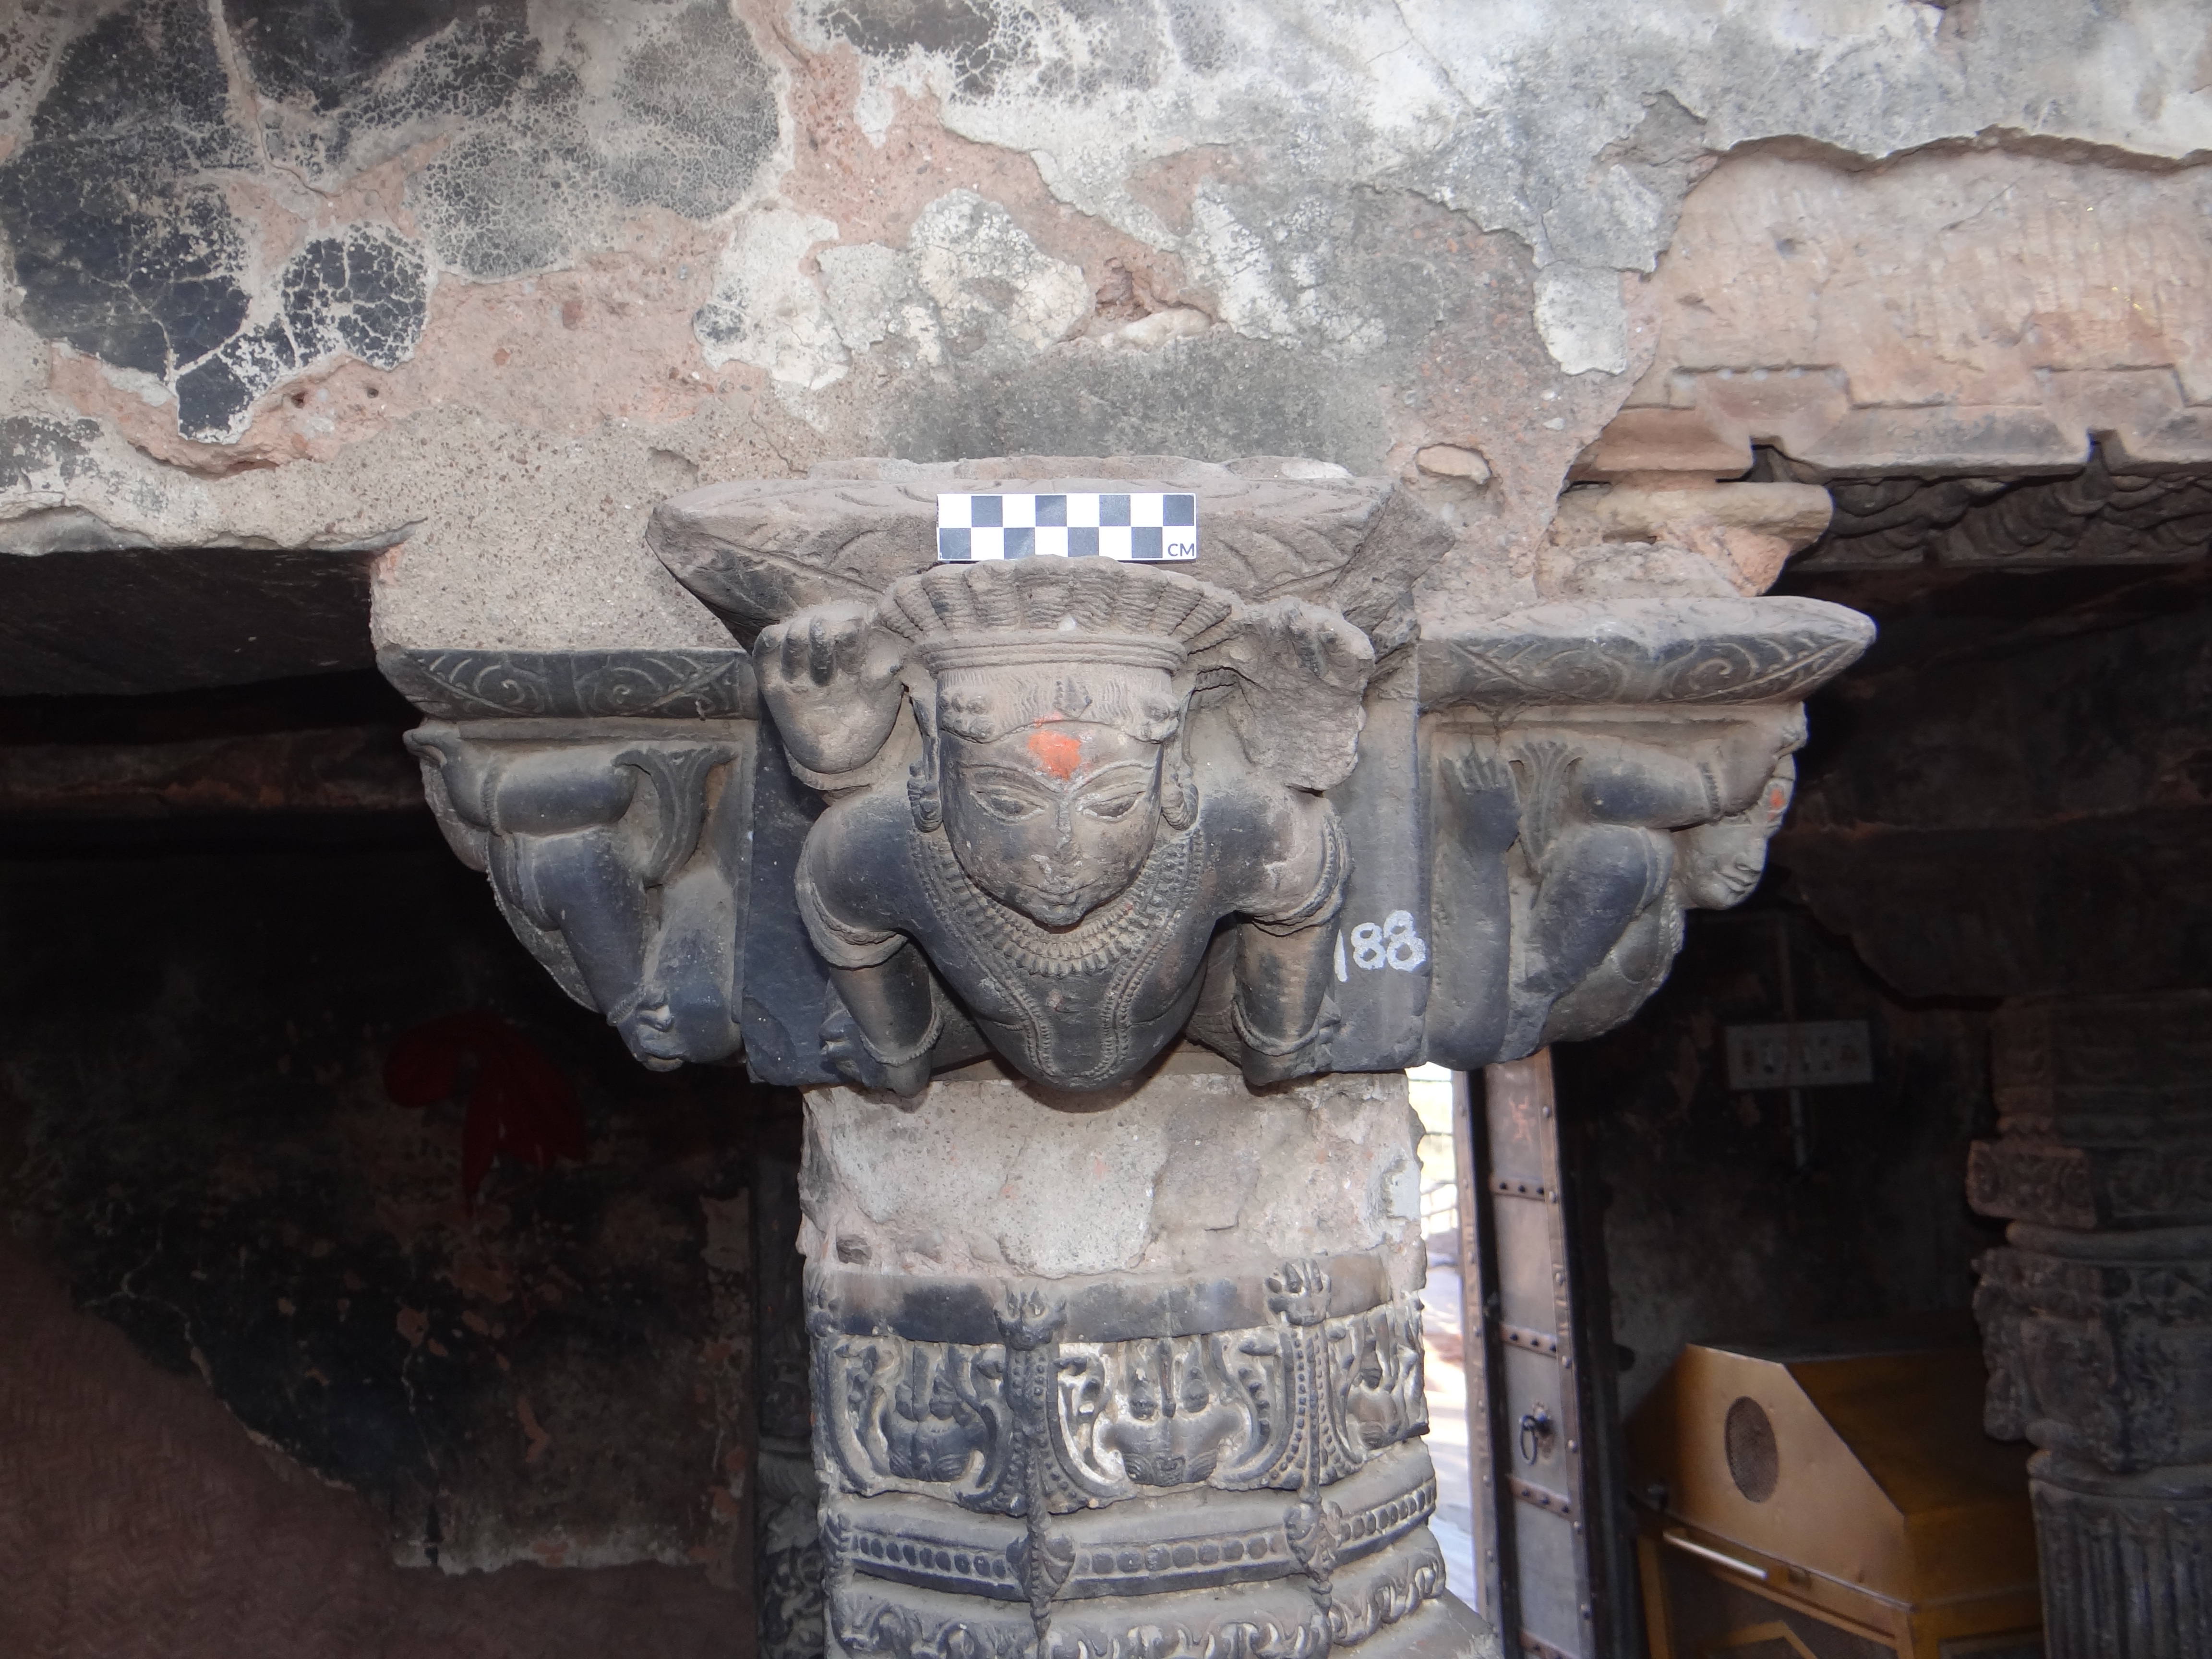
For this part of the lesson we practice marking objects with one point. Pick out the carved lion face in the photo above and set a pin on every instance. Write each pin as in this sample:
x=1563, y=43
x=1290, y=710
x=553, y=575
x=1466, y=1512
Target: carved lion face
x=1054, y=818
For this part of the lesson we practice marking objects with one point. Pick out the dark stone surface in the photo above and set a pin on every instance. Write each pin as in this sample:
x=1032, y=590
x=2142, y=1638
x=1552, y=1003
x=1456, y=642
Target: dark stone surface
x=122, y=228
x=530, y=179
x=123, y=241
x=32, y=444
x=964, y=30
x=195, y=1136
x=2011, y=795
x=142, y=620
x=1126, y=49
x=365, y=293
x=1382, y=977
x=328, y=50
x=786, y=984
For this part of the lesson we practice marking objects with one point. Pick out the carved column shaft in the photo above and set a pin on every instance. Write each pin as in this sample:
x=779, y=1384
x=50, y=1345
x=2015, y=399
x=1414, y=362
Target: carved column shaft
x=1144, y=1380
x=2097, y=1313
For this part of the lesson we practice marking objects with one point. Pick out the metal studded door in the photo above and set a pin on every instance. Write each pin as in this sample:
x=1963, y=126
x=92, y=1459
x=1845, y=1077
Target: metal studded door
x=1541, y=1420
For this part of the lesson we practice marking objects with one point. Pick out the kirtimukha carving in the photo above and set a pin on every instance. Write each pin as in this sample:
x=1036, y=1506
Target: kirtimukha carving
x=1107, y=762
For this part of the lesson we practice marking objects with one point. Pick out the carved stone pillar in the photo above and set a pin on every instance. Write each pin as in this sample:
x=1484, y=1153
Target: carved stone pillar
x=2097, y=1313
x=1099, y=906
x=1134, y=1380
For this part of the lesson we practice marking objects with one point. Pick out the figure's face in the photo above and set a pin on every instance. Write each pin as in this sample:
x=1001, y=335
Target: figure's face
x=1055, y=819
x=1722, y=862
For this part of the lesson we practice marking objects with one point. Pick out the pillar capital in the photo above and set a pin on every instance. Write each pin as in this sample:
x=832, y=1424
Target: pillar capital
x=1067, y=811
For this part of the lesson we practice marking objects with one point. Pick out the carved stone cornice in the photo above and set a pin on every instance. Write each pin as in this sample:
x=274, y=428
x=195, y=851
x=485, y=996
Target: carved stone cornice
x=2102, y=514
x=646, y=684
x=1644, y=651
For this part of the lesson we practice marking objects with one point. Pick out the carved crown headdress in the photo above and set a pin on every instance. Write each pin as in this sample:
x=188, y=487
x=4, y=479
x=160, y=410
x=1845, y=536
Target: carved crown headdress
x=1054, y=611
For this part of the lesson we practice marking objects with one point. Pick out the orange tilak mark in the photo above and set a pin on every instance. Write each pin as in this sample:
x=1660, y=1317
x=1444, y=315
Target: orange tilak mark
x=1059, y=752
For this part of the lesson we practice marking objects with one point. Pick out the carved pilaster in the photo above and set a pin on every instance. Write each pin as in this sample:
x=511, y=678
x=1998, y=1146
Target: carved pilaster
x=2127, y=1559
x=2097, y=1314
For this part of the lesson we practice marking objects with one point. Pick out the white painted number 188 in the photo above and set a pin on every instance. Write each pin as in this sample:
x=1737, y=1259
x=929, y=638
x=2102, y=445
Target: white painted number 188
x=1393, y=945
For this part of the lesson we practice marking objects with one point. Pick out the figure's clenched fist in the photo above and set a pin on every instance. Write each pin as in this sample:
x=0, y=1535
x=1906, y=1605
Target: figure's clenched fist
x=1304, y=671
x=1289, y=641
x=830, y=679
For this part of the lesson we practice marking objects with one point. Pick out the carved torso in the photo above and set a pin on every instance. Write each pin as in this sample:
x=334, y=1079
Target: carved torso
x=1094, y=1003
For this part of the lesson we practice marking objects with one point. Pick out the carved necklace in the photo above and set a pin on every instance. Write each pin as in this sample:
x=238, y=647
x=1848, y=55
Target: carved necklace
x=1123, y=924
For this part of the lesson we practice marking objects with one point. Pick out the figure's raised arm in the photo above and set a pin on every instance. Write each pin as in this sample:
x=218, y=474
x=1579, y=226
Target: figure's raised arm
x=830, y=679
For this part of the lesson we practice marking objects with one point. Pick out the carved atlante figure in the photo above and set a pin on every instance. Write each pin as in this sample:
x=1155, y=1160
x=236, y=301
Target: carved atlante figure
x=1567, y=862
x=1714, y=867
x=1112, y=761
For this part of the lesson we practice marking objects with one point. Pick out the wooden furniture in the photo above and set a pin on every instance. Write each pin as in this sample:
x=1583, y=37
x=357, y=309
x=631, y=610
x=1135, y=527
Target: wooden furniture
x=1833, y=1498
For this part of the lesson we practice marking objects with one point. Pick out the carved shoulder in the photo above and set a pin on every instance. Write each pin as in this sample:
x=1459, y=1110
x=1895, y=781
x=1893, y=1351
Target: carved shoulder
x=1279, y=854
x=856, y=863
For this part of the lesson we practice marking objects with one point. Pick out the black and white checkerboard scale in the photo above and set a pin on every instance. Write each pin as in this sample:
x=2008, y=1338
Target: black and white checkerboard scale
x=1143, y=526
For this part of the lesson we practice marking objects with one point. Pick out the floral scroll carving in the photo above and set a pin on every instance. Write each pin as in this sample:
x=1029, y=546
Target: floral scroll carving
x=993, y=1470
